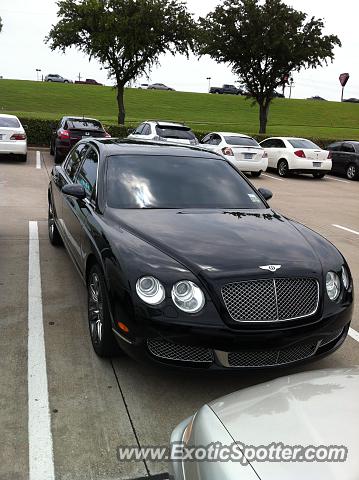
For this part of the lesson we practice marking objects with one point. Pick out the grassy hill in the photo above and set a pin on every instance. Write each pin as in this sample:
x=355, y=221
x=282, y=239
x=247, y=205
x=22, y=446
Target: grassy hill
x=203, y=112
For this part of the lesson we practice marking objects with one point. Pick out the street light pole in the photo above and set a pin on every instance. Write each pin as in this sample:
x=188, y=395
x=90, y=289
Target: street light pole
x=38, y=70
x=209, y=82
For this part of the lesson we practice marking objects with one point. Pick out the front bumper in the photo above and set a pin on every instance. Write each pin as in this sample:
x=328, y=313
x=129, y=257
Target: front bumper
x=15, y=147
x=212, y=348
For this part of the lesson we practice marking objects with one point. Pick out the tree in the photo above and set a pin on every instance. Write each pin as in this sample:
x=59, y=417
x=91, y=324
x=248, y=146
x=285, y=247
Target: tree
x=125, y=36
x=263, y=42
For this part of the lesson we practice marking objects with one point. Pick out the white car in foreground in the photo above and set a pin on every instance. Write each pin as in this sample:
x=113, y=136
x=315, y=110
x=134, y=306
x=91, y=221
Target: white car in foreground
x=12, y=137
x=241, y=150
x=299, y=427
x=296, y=155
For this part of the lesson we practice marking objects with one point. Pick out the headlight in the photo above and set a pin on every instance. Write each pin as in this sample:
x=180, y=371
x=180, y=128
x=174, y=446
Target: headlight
x=187, y=296
x=345, y=278
x=150, y=290
x=333, y=286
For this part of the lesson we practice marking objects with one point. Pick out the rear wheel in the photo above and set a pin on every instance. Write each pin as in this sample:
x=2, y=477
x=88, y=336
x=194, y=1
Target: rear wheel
x=282, y=168
x=23, y=158
x=54, y=235
x=256, y=174
x=318, y=175
x=99, y=317
x=352, y=172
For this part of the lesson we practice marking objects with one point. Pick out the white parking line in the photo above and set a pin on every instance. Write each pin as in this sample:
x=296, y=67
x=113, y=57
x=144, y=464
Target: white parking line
x=354, y=334
x=41, y=463
x=346, y=229
x=337, y=179
x=274, y=178
x=38, y=160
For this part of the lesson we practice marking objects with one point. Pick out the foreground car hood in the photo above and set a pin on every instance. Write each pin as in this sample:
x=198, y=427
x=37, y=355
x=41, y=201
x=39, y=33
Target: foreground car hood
x=312, y=408
x=218, y=241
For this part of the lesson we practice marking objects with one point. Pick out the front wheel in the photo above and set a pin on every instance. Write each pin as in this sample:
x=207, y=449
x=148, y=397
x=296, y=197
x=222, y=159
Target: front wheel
x=318, y=175
x=99, y=317
x=352, y=172
x=282, y=168
x=256, y=174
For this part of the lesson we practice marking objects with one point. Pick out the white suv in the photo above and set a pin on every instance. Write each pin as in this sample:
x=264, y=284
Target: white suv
x=54, y=77
x=164, y=132
x=12, y=137
x=296, y=155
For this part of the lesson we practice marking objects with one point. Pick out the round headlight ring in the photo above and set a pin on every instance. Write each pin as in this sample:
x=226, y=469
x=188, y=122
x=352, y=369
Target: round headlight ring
x=333, y=286
x=150, y=290
x=345, y=278
x=187, y=296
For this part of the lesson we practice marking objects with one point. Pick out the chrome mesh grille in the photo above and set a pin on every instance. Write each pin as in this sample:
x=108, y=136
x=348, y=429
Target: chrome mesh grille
x=271, y=300
x=184, y=353
x=268, y=358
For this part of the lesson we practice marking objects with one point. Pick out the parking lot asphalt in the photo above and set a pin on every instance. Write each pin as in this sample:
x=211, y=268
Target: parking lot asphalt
x=97, y=405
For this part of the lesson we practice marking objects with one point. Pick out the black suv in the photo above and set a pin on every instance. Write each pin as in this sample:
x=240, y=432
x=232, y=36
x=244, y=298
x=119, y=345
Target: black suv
x=345, y=158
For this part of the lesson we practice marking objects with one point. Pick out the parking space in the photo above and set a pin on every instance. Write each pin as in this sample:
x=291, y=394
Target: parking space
x=97, y=405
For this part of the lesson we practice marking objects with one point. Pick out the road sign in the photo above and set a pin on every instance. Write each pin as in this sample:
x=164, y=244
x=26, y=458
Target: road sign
x=343, y=79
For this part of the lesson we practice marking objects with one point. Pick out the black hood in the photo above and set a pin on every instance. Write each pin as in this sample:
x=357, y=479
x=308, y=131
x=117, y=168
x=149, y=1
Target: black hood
x=217, y=242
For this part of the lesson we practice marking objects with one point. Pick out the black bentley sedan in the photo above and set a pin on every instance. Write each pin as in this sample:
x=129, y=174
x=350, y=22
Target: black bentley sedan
x=187, y=265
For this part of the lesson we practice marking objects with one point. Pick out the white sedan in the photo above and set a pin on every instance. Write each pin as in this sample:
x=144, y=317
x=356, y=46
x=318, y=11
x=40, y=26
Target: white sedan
x=241, y=150
x=296, y=155
x=12, y=137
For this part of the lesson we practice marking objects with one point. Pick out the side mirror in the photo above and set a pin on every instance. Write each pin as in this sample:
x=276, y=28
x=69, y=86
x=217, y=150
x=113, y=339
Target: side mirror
x=266, y=194
x=75, y=190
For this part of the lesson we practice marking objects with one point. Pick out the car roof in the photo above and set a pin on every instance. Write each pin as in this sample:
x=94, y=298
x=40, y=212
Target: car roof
x=116, y=146
x=164, y=123
x=232, y=134
x=286, y=138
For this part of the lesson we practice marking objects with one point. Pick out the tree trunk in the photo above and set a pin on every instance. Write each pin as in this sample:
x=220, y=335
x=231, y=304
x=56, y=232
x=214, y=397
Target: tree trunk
x=263, y=117
x=121, y=104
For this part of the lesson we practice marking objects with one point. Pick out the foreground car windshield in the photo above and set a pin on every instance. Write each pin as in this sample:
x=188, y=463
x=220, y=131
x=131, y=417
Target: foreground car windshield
x=303, y=144
x=176, y=182
x=241, y=141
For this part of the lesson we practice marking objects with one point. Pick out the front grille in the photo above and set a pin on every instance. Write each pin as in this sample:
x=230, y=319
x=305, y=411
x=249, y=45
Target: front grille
x=269, y=358
x=176, y=352
x=271, y=300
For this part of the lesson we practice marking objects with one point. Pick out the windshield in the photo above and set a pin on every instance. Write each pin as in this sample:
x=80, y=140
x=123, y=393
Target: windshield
x=9, y=122
x=176, y=182
x=175, y=132
x=242, y=141
x=85, y=123
x=302, y=143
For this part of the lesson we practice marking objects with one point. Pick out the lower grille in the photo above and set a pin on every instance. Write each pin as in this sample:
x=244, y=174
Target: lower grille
x=331, y=338
x=176, y=352
x=271, y=300
x=269, y=358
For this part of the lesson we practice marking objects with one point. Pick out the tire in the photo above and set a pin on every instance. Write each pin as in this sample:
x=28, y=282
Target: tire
x=54, y=234
x=318, y=175
x=99, y=318
x=66, y=81
x=282, y=168
x=256, y=174
x=49, y=80
x=352, y=172
x=22, y=158
x=57, y=157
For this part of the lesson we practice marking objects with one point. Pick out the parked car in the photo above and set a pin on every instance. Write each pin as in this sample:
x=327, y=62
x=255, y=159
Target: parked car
x=315, y=408
x=88, y=81
x=69, y=131
x=345, y=158
x=226, y=89
x=164, y=132
x=159, y=86
x=13, y=140
x=351, y=100
x=296, y=155
x=243, y=151
x=143, y=86
x=187, y=265
x=316, y=97
x=54, y=77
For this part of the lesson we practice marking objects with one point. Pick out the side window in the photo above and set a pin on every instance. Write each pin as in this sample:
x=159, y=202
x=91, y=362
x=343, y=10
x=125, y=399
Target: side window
x=216, y=139
x=74, y=159
x=267, y=144
x=87, y=175
x=277, y=143
x=206, y=139
x=146, y=130
x=348, y=148
x=139, y=129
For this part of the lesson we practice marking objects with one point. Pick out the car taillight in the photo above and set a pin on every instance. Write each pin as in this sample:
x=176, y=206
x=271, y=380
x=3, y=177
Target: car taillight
x=18, y=136
x=330, y=155
x=300, y=154
x=64, y=135
x=107, y=135
x=265, y=155
x=227, y=151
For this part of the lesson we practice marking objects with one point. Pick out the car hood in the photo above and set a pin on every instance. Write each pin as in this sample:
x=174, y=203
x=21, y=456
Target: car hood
x=216, y=241
x=311, y=408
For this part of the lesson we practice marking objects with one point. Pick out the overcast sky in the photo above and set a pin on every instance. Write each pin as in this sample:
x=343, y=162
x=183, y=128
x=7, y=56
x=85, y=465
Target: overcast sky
x=26, y=23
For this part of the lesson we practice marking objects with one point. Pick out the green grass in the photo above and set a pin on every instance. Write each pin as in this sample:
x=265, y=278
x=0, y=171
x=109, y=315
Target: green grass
x=203, y=112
